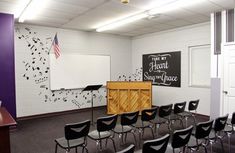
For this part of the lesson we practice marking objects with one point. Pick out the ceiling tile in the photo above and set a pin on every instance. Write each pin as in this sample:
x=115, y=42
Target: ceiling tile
x=204, y=7
x=226, y=4
x=89, y=14
x=84, y=3
x=197, y=18
x=178, y=23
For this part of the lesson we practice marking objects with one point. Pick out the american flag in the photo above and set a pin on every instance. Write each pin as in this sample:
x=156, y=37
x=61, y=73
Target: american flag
x=56, y=47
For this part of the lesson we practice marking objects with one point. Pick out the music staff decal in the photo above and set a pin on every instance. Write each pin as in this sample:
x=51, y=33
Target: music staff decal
x=137, y=76
x=36, y=69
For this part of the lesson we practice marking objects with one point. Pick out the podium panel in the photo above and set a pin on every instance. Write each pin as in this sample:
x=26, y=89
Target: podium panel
x=128, y=96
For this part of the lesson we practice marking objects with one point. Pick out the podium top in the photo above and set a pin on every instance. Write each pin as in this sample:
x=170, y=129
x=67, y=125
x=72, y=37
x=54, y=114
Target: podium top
x=92, y=87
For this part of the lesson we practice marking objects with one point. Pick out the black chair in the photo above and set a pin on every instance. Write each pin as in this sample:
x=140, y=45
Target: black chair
x=177, y=113
x=157, y=145
x=105, y=125
x=216, y=131
x=75, y=136
x=147, y=115
x=198, y=139
x=229, y=129
x=163, y=117
x=129, y=149
x=181, y=138
x=192, y=110
x=128, y=120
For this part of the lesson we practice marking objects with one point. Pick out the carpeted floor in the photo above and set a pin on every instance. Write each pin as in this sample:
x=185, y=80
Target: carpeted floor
x=37, y=135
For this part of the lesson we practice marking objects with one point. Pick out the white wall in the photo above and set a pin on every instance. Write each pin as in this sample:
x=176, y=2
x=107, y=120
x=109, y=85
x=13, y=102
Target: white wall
x=33, y=95
x=175, y=40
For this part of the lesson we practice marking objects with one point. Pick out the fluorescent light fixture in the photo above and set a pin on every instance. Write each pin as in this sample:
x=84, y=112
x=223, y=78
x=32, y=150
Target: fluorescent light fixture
x=168, y=5
x=33, y=8
x=122, y=22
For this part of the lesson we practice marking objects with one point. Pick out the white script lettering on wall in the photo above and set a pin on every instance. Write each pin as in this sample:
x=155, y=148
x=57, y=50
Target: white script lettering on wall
x=162, y=68
x=34, y=69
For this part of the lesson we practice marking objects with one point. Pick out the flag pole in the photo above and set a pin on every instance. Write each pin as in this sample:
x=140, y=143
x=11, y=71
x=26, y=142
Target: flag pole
x=52, y=42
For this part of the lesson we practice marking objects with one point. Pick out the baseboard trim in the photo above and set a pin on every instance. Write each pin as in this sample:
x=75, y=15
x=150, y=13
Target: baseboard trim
x=197, y=114
x=202, y=116
x=57, y=113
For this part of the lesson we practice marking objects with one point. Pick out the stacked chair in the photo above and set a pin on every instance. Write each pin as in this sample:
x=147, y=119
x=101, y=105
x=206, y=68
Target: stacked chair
x=229, y=129
x=188, y=138
x=200, y=136
x=128, y=121
x=164, y=113
x=217, y=131
x=75, y=136
x=192, y=110
x=147, y=116
x=181, y=138
x=105, y=126
x=177, y=113
x=157, y=145
x=129, y=149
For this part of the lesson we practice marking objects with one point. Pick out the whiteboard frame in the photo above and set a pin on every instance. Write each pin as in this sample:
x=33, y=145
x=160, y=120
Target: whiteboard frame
x=77, y=54
x=190, y=65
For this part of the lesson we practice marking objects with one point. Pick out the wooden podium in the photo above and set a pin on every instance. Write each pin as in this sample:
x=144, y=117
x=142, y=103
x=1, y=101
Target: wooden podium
x=6, y=121
x=128, y=96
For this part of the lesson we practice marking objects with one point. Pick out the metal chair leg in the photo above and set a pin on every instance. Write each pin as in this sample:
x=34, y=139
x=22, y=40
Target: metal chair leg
x=204, y=148
x=152, y=132
x=222, y=145
x=182, y=123
x=56, y=146
x=113, y=144
x=134, y=137
x=125, y=137
x=186, y=122
x=139, y=136
x=211, y=146
x=229, y=142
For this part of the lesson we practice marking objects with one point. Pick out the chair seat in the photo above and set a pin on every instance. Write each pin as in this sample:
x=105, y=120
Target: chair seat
x=193, y=143
x=228, y=129
x=175, y=116
x=72, y=143
x=122, y=129
x=212, y=135
x=143, y=124
x=95, y=135
x=185, y=114
x=159, y=120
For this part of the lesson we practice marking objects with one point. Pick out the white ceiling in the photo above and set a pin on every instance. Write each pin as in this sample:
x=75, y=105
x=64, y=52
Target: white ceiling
x=87, y=15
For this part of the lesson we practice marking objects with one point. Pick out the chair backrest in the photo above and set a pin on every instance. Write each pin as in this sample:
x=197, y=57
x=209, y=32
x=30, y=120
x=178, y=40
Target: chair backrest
x=233, y=119
x=129, y=118
x=157, y=145
x=220, y=123
x=180, y=138
x=165, y=110
x=179, y=107
x=193, y=104
x=129, y=149
x=106, y=123
x=148, y=114
x=77, y=130
x=203, y=129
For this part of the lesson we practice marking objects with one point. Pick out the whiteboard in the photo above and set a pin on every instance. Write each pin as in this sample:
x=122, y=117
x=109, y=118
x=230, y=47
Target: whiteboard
x=199, y=66
x=71, y=71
